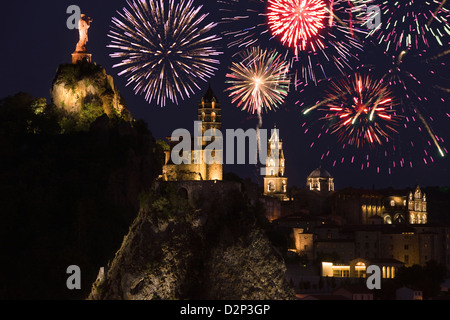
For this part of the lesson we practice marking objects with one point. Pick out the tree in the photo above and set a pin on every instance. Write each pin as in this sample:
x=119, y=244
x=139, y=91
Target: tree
x=427, y=278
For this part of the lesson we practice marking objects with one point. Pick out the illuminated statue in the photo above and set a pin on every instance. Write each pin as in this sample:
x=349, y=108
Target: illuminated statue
x=81, y=52
x=83, y=26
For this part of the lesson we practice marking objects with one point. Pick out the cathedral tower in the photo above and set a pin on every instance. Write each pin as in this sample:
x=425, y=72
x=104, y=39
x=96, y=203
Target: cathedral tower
x=275, y=183
x=209, y=112
x=209, y=118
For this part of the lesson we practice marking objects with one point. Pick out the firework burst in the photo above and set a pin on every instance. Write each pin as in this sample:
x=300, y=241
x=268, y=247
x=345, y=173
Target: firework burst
x=165, y=47
x=412, y=24
x=418, y=82
x=258, y=80
x=359, y=110
x=419, y=79
x=319, y=36
x=297, y=22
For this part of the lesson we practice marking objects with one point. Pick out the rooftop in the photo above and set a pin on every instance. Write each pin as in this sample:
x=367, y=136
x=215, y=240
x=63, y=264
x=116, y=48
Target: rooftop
x=320, y=173
x=210, y=96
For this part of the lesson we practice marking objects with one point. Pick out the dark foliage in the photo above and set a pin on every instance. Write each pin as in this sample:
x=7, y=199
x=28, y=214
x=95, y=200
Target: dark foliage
x=65, y=198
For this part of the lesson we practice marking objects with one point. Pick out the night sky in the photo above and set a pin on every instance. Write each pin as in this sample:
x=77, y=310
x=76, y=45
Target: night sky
x=35, y=41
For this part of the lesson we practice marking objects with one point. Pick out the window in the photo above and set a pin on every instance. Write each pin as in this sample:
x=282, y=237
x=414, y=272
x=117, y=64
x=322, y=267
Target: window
x=406, y=247
x=392, y=203
x=271, y=186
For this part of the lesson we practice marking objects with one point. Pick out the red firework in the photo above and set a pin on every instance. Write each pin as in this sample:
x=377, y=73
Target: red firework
x=298, y=22
x=360, y=111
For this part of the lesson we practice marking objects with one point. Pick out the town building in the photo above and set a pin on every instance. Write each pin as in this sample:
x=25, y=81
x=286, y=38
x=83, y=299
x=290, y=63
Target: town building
x=339, y=227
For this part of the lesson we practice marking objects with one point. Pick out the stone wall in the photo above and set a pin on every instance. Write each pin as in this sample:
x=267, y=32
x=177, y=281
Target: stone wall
x=197, y=190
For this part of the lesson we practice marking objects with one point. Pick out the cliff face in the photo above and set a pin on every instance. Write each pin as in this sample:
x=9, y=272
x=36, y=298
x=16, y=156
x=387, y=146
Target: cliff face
x=214, y=252
x=86, y=85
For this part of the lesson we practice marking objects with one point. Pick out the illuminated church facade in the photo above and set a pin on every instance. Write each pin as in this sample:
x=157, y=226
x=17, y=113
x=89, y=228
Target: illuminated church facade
x=275, y=181
x=209, y=120
x=358, y=206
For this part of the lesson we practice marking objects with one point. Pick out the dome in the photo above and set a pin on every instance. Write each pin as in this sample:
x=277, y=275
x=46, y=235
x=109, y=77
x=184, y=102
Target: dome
x=320, y=173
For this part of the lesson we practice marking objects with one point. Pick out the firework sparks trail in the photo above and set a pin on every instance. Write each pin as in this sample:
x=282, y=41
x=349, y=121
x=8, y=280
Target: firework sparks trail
x=398, y=76
x=432, y=135
x=409, y=24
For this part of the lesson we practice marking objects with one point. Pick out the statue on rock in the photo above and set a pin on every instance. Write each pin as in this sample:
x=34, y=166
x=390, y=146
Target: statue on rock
x=81, y=52
x=83, y=26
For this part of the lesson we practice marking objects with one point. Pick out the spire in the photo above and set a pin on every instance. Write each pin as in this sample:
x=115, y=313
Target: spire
x=210, y=96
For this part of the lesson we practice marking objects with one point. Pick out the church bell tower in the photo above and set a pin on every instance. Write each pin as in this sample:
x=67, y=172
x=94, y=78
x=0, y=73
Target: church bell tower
x=275, y=183
x=209, y=112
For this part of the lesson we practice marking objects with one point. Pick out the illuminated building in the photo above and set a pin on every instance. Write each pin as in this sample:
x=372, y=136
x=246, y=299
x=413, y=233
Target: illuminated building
x=320, y=180
x=417, y=207
x=356, y=268
x=275, y=182
x=358, y=206
x=209, y=116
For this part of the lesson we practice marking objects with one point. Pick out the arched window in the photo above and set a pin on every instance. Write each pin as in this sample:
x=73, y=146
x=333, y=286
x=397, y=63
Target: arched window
x=213, y=117
x=387, y=219
x=271, y=186
x=182, y=192
x=398, y=218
